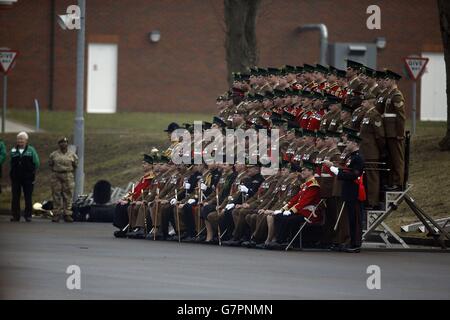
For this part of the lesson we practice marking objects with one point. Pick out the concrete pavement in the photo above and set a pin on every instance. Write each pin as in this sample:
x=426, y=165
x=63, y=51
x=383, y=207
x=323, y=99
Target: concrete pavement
x=12, y=126
x=34, y=258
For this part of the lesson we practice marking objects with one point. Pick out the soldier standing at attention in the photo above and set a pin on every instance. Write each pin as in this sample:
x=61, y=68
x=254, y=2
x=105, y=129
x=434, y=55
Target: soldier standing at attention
x=353, y=71
x=63, y=163
x=351, y=193
x=394, y=125
x=372, y=148
x=24, y=163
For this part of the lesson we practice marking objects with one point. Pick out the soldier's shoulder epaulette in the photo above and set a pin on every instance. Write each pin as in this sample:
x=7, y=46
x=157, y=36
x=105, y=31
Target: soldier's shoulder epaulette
x=393, y=92
x=149, y=176
x=312, y=183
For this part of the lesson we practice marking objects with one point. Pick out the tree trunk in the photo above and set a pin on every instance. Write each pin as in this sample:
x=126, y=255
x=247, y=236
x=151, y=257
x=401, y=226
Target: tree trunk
x=240, y=35
x=444, y=17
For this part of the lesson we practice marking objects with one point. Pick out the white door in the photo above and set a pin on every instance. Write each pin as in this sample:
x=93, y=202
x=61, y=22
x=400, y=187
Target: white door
x=433, y=98
x=102, y=78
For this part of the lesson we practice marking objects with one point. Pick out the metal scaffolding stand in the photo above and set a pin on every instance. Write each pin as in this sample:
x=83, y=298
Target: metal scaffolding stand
x=376, y=225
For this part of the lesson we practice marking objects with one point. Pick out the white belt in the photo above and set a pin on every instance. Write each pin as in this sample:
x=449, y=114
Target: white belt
x=326, y=175
x=389, y=115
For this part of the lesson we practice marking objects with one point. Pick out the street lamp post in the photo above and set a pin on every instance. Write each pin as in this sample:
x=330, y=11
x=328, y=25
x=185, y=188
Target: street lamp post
x=79, y=114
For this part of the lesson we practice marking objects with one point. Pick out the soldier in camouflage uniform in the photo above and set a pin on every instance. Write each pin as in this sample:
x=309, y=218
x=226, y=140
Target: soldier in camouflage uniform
x=63, y=163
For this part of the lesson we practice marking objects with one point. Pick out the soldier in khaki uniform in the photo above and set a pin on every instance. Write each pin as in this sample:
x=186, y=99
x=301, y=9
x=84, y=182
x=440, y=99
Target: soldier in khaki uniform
x=331, y=119
x=229, y=190
x=63, y=163
x=263, y=196
x=346, y=117
x=372, y=86
x=381, y=100
x=394, y=125
x=372, y=147
x=214, y=201
x=138, y=211
x=172, y=192
x=354, y=81
x=284, y=190
x=358, y=114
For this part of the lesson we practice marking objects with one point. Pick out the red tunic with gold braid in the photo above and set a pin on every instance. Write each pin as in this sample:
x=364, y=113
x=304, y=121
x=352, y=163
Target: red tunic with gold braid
x=142, y=185
x=304, y=119
x=335, y=90
x=311, y=86
x=322, y=87
x=305, y=200
x=314, y=120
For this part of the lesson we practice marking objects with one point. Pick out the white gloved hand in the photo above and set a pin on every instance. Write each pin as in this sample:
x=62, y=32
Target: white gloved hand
x=229, y=206
x=243, y=188
x=335, y=170
x=230, y=198
x=173, y=201
x=277, y=212
x=187, y=185
x=191, y=201
x=287, y=213
x=203, y=186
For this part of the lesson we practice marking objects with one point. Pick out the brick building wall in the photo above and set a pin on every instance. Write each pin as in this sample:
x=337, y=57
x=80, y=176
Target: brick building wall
x=186, y=70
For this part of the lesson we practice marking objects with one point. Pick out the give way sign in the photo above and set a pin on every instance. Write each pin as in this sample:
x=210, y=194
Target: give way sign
x=7, y=58
x=415, y=66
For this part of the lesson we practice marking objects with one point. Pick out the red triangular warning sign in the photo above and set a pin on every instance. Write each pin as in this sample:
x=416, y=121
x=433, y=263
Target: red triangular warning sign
x=7, y=58
x=415, y=66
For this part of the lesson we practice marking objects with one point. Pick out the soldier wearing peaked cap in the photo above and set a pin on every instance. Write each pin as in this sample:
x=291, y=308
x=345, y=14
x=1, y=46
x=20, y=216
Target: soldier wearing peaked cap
x=353, y=71
x=372, y=86
x=346, y=116
x=372, y=147
x=288, y=186
x=139, y=220
x=358, y=114
x=121, y=219
x=298, y=210
x=353, y=193
x=394, y=125
x=173, y=140
x=332, y=118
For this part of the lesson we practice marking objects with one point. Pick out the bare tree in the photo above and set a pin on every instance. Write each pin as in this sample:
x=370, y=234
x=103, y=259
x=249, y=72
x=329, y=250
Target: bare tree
x=444, y=17
x=240, y=34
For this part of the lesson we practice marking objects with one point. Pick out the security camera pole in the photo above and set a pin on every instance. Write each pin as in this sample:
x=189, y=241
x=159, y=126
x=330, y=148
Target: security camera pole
x=79, y=115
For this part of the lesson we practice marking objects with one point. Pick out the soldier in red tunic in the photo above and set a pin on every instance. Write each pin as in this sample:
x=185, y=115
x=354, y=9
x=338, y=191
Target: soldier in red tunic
x=317, y=113
x=299, y=209
x=121, y=212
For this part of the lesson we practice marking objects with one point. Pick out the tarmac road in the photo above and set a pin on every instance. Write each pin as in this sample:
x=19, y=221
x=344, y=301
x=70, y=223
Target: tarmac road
x=34, y=258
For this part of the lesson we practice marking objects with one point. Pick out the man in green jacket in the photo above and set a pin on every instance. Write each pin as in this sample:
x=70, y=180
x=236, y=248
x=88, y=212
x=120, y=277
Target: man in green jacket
x=2, y=159
x=24, y=163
